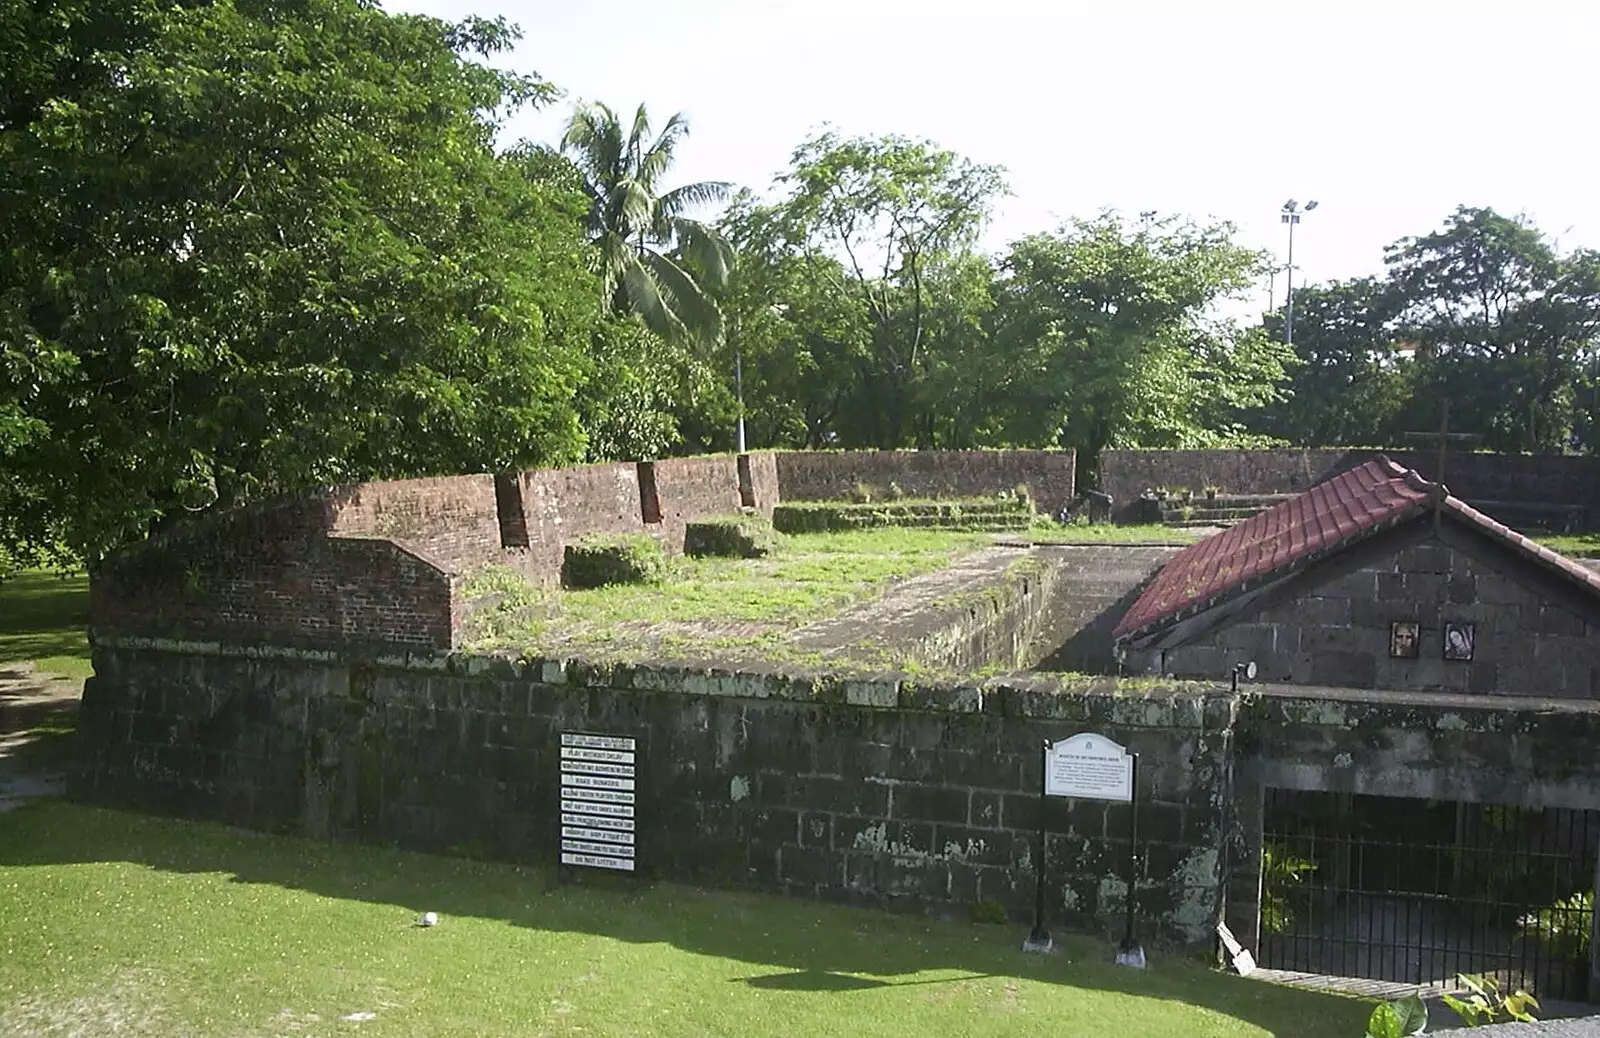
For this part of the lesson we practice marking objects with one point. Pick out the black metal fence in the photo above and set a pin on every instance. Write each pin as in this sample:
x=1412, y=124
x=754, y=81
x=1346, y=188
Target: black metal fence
x=1417, y=891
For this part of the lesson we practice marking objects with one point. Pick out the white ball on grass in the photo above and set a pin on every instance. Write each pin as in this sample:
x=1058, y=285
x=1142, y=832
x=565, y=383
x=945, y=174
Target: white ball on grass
x=429, y=919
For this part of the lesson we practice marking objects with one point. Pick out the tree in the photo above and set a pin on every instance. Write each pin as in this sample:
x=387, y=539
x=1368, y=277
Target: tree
x=1351, y=382
x=1505, y=328
x=254, y=245
x=653, y=260
x=883, y=220
x=1106, y=338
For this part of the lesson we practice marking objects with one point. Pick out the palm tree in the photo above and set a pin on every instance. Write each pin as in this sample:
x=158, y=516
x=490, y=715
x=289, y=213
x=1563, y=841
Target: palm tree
x=653, y=260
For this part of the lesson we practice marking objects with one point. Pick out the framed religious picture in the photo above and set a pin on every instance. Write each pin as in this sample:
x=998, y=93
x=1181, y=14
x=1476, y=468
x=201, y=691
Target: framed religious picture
x=1458, y=640
x=1404, y=639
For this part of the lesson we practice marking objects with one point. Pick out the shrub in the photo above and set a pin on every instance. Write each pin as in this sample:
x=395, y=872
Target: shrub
x=601, y=559
x=863, y=493
x=733, y=536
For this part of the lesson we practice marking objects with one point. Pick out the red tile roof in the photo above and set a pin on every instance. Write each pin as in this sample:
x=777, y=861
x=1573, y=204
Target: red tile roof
x=1350, y=507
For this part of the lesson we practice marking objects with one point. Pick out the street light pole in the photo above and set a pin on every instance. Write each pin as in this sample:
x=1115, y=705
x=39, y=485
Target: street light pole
x=738, y=384
x=1290, y=215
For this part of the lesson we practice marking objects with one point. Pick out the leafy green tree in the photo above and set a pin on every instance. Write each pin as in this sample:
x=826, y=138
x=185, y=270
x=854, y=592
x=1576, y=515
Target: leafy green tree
x=1351, y=381
x=1106, y=338
x=653, y=260
x=884, y=221
x=1505, y=327
x=253, y=245
x=796, y=326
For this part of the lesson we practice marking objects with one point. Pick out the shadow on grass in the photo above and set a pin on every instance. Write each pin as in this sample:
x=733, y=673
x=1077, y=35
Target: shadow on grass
x=43, y=614
x=812, y=980
x=794, y=944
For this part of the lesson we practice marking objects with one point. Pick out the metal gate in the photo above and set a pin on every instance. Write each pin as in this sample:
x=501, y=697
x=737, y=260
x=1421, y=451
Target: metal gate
x=1417, y=891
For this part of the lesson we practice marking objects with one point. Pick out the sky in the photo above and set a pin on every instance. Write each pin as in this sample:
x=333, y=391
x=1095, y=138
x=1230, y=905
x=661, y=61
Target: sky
x=1388, y=114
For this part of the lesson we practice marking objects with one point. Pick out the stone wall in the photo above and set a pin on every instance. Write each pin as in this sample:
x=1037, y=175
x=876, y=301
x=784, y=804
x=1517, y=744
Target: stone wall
x=876, y=791
x=269, y=574
x=1101, y=582
x=1331, y=624
x=1467, y=749
x=561, y=505
x=832, y=475
x=1504, y=485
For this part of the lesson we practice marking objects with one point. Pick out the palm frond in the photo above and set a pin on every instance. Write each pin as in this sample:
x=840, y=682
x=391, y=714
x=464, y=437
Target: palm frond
x=705, y=249
x=682, y=199
x=593, y=139
x=657, y=159
x=633, y=207
x=696, y=312
x=647, y=300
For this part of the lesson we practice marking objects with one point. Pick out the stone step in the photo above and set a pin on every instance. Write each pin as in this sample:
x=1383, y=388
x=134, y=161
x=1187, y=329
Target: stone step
x=1197, y=512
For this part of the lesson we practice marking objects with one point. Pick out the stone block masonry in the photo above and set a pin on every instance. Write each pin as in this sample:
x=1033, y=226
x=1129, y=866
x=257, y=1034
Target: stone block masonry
x=833, y=475
x=870, y=790
x=1519, y=490
x=1331, y=625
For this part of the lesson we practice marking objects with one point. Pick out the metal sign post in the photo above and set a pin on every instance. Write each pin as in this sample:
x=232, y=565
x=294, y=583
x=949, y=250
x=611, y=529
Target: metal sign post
x=1130, y=952
x=1039, y=939
x=1088, y=766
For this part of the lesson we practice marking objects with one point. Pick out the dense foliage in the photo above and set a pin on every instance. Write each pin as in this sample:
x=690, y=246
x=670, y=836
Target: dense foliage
x=248, y=246
x=259, y=244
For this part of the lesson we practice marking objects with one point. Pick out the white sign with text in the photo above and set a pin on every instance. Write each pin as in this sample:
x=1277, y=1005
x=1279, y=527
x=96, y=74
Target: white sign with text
x=1088, y=767
x=597, y=800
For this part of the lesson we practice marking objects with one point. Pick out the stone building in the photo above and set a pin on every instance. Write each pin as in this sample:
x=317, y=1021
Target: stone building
x=1374, y=579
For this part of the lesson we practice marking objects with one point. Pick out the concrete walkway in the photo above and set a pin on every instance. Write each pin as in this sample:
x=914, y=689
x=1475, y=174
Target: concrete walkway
x=29, y=767
x=1561, y=1019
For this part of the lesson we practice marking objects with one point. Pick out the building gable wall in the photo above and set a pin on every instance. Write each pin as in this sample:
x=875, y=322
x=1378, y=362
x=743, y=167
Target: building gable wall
x=1332, y=624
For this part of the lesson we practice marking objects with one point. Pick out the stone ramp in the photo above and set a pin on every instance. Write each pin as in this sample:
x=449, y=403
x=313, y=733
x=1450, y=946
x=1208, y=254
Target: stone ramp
x=1097, y=585
x=917, y=615
x=1559, y=1019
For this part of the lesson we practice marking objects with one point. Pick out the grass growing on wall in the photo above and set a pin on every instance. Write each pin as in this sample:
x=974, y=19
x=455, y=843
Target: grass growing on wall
x=807, y=576
x=43, y=616
x=1051, y=532
x=1573, y=545
x=123, y=924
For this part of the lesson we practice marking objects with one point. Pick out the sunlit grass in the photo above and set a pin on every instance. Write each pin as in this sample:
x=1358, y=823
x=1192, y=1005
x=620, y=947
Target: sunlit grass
x=43, y=619
x=809, y=576
x=122, y=924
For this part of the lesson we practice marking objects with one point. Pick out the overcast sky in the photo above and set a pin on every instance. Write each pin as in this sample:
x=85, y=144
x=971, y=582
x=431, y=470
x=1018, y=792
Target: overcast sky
x=1389, y=114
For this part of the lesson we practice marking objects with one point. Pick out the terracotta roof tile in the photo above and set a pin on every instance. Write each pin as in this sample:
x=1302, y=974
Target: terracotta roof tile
x=1349, y=507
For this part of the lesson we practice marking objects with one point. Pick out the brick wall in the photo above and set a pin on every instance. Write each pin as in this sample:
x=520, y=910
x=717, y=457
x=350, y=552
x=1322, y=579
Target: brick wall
x=561, y=505
x=267, y=575
x=829, y=475
x=764, y=480
x=872, y=791
x=452, y=520
x=1331, y=625
x=1491, y=481
x=688, y=489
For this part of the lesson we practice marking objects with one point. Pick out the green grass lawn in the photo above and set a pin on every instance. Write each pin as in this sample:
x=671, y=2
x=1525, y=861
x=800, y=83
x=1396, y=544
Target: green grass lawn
x=117, y=923
x=810, y=576
x=42, y=618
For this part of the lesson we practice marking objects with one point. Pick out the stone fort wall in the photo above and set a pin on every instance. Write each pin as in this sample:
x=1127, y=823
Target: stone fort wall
x=1519, y=490
x=878, y=791
x=381, y=564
